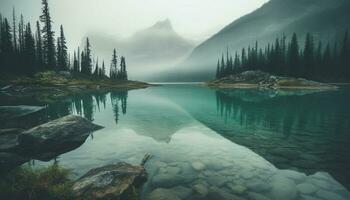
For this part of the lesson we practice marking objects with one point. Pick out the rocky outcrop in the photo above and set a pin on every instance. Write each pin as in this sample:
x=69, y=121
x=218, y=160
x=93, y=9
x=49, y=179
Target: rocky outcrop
x=111, y=182
x=65, y=131
x=43, y=142
x=259, y=79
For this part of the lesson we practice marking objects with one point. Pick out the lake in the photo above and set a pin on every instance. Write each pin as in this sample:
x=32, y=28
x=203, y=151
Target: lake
x=218, y=144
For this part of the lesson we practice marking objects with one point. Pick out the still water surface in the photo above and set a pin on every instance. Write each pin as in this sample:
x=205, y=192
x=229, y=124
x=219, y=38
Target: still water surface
x=219, y=144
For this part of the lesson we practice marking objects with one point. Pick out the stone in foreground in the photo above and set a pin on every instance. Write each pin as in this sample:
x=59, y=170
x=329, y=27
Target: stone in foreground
x=111, y=182
x=57, y=134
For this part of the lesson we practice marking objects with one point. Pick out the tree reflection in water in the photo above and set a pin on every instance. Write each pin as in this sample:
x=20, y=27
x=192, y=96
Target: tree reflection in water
x=289, y=131
x=87, y=105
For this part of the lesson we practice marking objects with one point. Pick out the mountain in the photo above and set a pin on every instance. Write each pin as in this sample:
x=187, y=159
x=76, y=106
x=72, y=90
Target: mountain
x=147, y=51
x=326, y=19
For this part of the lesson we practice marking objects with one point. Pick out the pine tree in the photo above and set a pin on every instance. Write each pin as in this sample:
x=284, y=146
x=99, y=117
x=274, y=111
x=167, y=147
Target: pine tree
x=21, y=34
x=243, y=58
x=48, y=37
x=308, y=56
x=14, y=29
x=345, y=57
x=228, y=65
x=318, y=60
x=103, y=70
x=217, y=75
x=293, y=68
x=327, y=61
x=236, y=64
x=223, y=66
x=79, y=60
x=39, y=50
x=87, y=58
x=123, y=72
x=1, y=53
x=96, y=72
x=6, y=46
x=59, y=52
x=114, y=64
x=62, y=56
x=231, y=65
x=29, y=51
x=75, y=63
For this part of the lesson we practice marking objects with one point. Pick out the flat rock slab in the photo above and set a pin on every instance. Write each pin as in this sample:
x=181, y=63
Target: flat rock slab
x=109, y=182
x=57, y=134
x=13, y=112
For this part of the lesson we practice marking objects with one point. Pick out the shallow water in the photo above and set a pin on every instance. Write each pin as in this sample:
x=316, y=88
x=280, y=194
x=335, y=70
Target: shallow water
x=219, y=144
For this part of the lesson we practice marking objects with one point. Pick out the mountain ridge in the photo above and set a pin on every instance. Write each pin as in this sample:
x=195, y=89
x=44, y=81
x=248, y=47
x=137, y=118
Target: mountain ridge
x=324, y=18
x=155, y=48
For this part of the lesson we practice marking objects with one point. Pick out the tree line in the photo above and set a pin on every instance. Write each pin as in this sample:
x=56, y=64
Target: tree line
x=26, y=52
x=314, y=60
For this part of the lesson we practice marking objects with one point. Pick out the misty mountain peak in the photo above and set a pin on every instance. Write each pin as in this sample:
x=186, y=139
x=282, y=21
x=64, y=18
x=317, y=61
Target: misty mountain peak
x=165, y=25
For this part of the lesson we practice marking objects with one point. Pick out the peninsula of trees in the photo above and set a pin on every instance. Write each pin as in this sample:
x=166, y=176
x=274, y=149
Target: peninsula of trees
x=25, y=52
x=315, y=60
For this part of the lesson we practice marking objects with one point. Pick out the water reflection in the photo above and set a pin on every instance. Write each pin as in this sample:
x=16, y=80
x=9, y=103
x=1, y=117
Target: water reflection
x=308, y=133
x=293, y=129
x=87, y=105
x=193, y=132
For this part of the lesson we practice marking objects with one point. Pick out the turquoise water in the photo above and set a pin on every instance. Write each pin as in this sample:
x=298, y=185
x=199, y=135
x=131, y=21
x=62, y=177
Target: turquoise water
x=219, y=144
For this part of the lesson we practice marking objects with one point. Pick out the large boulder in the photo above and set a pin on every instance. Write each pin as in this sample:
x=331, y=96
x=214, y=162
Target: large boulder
x=118, y=181
x=58, y=134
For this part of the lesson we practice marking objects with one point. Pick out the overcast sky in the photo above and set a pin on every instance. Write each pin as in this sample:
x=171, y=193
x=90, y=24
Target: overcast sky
x=193, y=19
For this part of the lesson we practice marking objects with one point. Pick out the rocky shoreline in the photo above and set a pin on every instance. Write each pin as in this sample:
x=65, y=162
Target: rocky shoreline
x=47, y=141
x=43, y=142
x=259, y=79
x=49, y=86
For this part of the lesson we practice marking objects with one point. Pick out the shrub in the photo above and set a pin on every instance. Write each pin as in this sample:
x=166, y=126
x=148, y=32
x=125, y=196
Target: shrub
x=25, y=183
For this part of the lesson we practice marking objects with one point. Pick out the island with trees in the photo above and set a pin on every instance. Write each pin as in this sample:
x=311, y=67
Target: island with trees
x=32, y=59
x=286, y=65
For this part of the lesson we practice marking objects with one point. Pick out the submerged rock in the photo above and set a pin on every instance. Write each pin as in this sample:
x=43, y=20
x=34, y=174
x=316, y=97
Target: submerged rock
x=237, y=189
x=199, y=166
x=57, y=134
x=283, y=188
x=306, y=188
x=163, y=194
x=217, y=193
x=329, y=195
x=111, y=182
x=257, y=196
x=200, y=189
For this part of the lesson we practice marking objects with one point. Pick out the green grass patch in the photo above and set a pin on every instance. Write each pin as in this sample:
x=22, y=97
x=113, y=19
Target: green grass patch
x=26, y=183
